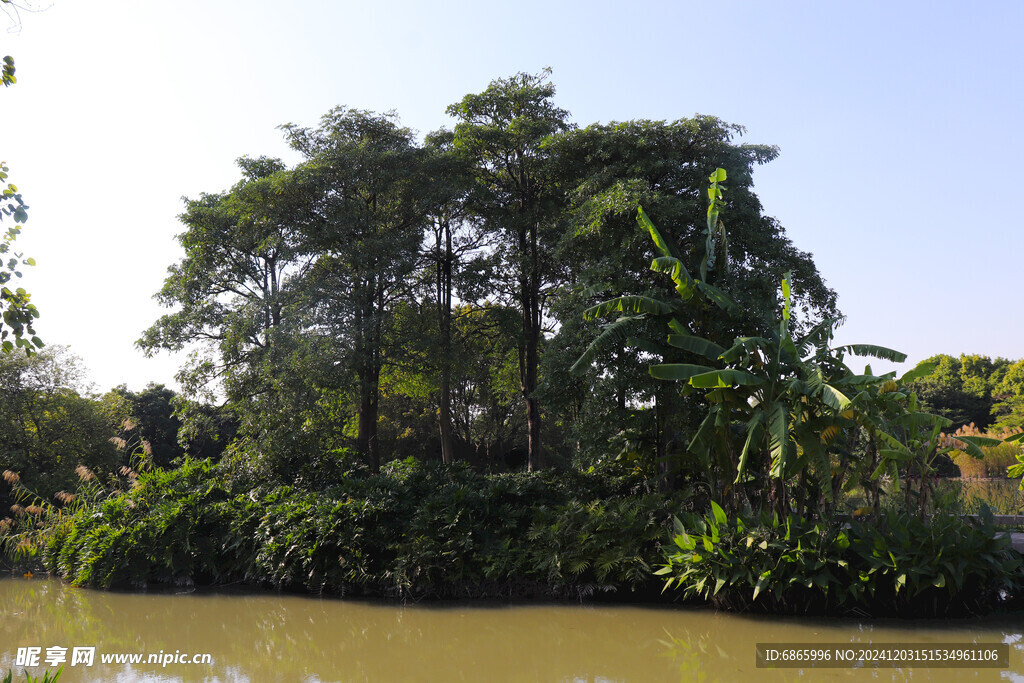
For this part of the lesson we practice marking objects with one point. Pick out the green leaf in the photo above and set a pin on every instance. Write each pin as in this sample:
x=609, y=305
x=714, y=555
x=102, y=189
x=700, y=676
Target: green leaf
x=787, y=297
x=972, y=444
x=648, y=346
x=923, y=369
x=872, y=351
x=724, y=378
x=677, y=371
x=778, y=437
x=698, y=345
x=659, y=242
x=718, y=176
x=753, y=431
x=611, y=336
x=717, y=296
x=718, y=513
x=674, y=268
x=895, y=455
x=743, y=345
x=762, y=581
x=628, y=304
x=834, y=398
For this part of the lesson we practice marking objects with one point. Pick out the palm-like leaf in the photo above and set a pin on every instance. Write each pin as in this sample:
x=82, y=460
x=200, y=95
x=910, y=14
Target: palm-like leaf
x=873, y=351
x=698, y=345
x=612, y=335
x=725, y=378
x=663, y=247
x=678, y=371
x=635, y=304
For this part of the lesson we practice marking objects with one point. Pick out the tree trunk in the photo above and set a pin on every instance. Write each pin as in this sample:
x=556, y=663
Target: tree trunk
x=664, y=411
x=366, y=439
x=368, y=351
x=445, y=420
x=530, y=284
x=531, y=358
x=444, y=303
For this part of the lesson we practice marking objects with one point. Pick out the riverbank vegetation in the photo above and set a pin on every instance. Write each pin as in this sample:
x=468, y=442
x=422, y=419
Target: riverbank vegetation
x=443, y=367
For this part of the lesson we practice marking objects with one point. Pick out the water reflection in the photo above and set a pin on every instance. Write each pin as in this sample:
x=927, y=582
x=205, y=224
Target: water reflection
x=271, y=637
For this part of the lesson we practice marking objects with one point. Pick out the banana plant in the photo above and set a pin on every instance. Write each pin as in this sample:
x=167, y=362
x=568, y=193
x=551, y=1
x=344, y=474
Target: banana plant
x=696, y=301
x=775, y=407
x=904, y=438
x=693, y=292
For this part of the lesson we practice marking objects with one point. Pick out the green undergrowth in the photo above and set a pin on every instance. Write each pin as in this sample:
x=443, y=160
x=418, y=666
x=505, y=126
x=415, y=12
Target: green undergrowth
x=46, y=677
x=898, y=564
x=413, y=531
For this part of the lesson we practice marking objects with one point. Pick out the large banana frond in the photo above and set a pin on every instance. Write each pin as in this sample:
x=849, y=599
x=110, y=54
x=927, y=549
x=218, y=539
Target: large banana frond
x=742, y=346
x=778, y=437
x=628, y=304
x=922, y=370
x=972, y=444
x=698, y=345
x=717, y=296
x=753, y=436
x=833, y=398
x=674, y=268
x=866, y=380
x=664, y=247
x=819, y=335
x=872, y=351
x=648, y=346
x=918, y=420
x=611, y=335
x=725, y=378
x=677, y=371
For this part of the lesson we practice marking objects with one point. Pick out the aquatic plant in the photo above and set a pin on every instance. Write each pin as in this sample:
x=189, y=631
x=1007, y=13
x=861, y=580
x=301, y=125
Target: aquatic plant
x=898, y=564
x=47, y=677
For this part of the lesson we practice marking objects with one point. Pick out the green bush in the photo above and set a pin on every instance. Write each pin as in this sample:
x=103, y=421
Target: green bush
x=899, y=564
x=414, y=530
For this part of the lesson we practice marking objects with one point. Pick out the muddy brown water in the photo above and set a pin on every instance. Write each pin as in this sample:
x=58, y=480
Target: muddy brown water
x=270, y=637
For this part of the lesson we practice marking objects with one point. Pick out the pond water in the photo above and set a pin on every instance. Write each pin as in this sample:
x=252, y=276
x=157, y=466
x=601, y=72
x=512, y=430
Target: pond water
x=273, y=637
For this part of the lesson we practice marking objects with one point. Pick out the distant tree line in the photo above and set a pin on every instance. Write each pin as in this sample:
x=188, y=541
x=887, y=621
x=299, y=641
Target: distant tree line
x=975, y=389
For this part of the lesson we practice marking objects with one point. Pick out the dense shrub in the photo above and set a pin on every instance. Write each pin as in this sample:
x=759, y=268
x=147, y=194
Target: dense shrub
x=414, y=530
x=899, y=564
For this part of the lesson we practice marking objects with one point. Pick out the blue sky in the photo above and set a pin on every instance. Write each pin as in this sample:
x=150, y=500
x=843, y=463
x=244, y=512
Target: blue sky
x=898, y=127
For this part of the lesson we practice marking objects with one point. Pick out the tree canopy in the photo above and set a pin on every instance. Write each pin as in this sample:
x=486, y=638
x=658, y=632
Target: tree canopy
x=388, y=291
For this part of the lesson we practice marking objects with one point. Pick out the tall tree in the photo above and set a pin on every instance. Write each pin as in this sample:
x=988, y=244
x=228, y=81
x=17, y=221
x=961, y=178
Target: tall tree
x=234, y=293
x=519, y=199
x=370, y=199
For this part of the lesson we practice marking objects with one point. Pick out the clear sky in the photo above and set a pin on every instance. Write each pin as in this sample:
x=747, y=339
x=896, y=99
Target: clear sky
x=899, y=125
